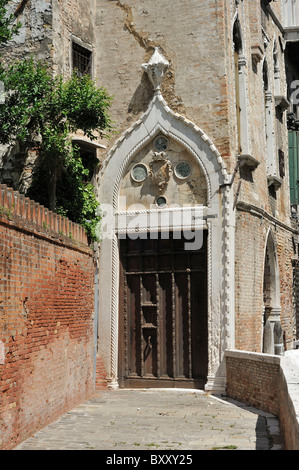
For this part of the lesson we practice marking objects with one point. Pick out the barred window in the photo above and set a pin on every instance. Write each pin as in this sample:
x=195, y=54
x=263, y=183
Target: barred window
x=81, y=60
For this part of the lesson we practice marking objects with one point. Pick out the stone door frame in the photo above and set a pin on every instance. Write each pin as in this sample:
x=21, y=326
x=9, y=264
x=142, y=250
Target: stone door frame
x=218, y=218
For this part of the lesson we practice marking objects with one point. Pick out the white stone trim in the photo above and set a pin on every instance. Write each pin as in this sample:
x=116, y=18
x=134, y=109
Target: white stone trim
x=159, y=118
x=254, y=356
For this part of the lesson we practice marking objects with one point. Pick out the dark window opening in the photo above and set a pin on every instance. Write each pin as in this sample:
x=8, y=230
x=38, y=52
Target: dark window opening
x=265, y=76
x=237, y=40
x=89, y=159
x=81, y=60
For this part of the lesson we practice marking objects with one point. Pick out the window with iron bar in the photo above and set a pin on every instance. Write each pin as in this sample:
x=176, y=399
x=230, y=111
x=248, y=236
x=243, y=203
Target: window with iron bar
x=82, y=58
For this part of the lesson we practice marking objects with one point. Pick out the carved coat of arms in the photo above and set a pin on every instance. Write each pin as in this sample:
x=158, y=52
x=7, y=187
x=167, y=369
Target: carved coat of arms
x=160, y=169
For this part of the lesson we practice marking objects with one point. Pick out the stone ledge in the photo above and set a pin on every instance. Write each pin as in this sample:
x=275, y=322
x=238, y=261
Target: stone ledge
x=282, y=102
x=249, y=161
x=275, y=181
x=253, y=356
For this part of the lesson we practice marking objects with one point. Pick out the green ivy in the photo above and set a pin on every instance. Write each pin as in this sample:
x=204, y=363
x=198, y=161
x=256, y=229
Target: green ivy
x=75, y=195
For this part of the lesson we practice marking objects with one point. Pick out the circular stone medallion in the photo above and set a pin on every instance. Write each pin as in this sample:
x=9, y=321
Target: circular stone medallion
x=161, y=143
x=182, y=170
x=139, y=172
x=161, y=201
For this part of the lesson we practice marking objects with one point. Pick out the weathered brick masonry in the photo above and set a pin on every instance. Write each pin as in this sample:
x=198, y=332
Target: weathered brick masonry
x=46, y=316
x=251, y=237
x=266, y=382
x=226, y=63
x=254, y=380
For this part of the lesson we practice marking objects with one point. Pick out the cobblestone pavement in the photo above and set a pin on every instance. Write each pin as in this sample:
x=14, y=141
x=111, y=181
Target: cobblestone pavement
x=160, y=420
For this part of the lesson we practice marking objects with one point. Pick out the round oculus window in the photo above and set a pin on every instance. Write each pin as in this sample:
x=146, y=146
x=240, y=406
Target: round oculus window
x=161, y=143
x=139, y=172
x=182, y=170
x=161, y=201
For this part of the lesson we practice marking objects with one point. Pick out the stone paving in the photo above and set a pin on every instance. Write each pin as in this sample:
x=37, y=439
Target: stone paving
x=159, y=420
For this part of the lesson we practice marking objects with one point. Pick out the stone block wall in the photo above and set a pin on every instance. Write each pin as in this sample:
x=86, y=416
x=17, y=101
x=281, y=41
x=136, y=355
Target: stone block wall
x=288, y=400
x=46, y=317
x=35, y=35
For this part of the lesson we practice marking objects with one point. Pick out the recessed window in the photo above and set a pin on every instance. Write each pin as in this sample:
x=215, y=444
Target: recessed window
x=82, y=58
x=161, y=143
x=161, y=201
x=139, y=173
x=182, y=170
x=89, y=158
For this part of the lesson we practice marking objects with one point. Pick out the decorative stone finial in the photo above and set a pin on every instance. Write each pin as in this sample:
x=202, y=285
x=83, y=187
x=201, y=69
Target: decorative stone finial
x=155, y=68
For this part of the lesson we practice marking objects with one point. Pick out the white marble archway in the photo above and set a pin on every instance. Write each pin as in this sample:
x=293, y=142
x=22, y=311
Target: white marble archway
x=217, y=218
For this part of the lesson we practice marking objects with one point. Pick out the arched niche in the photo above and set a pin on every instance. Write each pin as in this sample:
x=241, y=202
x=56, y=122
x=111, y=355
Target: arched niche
x=272, y=333
x=241, y=96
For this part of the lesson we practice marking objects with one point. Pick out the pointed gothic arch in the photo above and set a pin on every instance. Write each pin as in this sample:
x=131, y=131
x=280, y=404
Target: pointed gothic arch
x=215, y=217
x=272, y=339
x=241, y=94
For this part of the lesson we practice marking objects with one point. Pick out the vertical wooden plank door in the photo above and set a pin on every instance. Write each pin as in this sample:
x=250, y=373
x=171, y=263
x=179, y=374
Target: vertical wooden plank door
x=163, y=313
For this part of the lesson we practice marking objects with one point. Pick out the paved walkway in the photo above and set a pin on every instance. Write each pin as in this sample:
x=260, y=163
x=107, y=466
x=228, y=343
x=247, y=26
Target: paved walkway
x=159, y=420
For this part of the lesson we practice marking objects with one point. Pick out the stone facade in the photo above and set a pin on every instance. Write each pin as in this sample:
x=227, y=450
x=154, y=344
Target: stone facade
x=222, y=106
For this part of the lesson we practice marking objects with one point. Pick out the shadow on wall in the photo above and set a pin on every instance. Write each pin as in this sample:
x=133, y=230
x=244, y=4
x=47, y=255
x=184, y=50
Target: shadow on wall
x=142, y=96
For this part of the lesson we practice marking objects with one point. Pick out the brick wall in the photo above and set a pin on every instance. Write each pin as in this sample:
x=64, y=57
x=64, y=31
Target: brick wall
x=251, y=238
x=269, y=383
x=46, y=317
x=250, y=248
x=253, y=378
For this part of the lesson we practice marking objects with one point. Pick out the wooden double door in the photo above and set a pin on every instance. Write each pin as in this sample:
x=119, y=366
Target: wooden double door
x=163, y=335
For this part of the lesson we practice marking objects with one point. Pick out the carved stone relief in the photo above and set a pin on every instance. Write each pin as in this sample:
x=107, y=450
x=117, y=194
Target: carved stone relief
x=160, y=169
x=163, y=178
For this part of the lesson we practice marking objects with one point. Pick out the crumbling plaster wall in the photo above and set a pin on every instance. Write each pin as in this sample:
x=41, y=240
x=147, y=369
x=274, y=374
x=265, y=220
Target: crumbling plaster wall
x=34, y=39
x=186, y=33
x=35, y=35
x=72, y=20
x=48, y=27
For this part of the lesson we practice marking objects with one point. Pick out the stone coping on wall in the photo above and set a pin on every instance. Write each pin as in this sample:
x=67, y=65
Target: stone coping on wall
x=254, y=356
x=32, y=216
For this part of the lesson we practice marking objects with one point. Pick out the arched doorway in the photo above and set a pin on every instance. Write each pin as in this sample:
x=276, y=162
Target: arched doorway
x=272, y=332
x=163, y=332
x=133, y=179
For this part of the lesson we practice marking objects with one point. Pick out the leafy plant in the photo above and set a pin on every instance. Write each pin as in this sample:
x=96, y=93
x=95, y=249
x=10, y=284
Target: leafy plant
x=42, y=111
x=8, y=26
